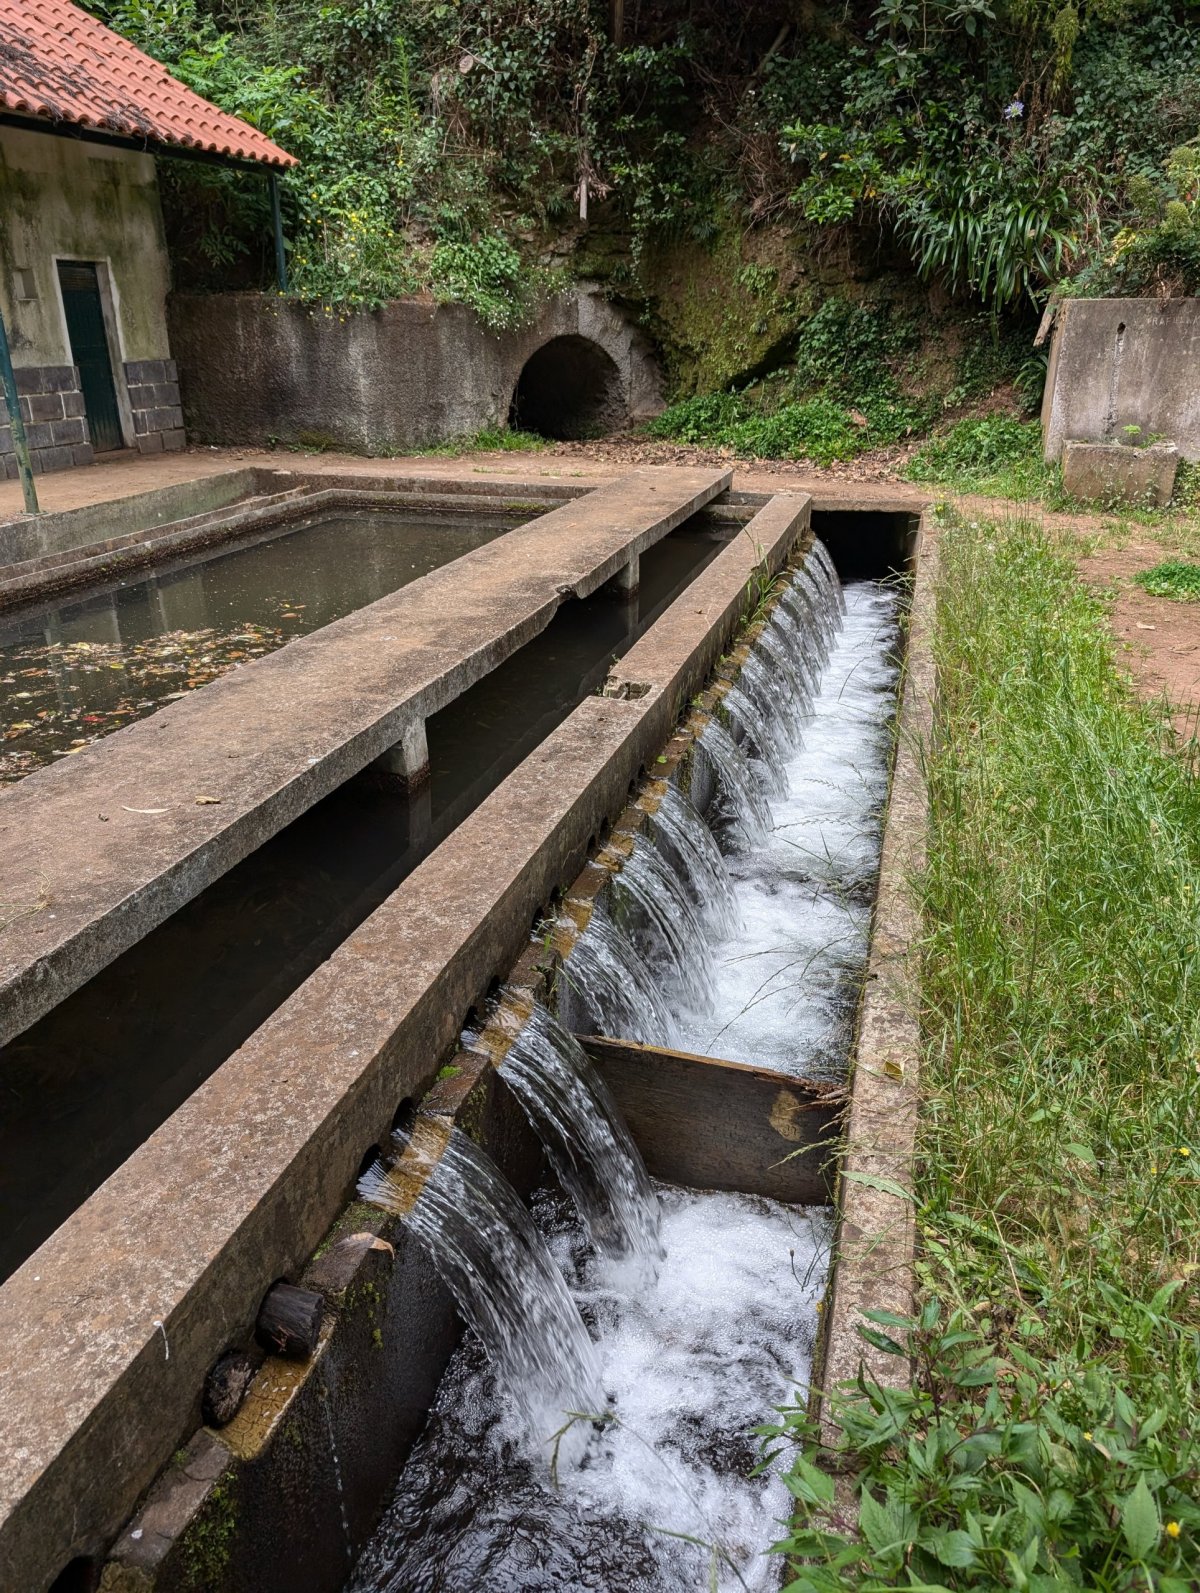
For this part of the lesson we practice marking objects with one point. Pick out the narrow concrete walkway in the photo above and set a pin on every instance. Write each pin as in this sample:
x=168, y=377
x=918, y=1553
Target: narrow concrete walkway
x=97, y=850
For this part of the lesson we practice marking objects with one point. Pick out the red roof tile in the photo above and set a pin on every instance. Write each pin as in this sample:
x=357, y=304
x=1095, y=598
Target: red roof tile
x=59, y=64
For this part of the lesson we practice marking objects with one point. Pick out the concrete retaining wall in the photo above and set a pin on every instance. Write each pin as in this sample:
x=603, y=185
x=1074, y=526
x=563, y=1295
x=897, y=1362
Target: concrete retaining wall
x=255, y=368
x=1124, y=362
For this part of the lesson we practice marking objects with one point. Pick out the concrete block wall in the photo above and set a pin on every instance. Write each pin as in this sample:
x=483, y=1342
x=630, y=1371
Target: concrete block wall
x=55, y=425
x=154, y=400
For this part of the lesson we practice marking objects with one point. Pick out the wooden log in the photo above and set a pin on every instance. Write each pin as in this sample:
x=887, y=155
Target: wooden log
x=289, y=1321
x=225, y=1387
x=709, y=1124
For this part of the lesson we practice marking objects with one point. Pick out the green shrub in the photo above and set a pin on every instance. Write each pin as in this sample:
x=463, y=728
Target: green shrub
x=486, y=274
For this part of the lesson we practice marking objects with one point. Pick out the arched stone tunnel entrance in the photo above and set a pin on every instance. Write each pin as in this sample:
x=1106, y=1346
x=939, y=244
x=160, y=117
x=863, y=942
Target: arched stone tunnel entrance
x=569, y=389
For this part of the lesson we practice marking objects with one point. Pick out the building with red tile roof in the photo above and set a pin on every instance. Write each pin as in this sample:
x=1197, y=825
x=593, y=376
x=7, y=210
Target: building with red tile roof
x=59, y=65
x=84, y=273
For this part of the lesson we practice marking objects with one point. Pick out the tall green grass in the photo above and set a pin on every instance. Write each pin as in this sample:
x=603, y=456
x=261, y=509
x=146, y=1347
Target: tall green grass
x=1051, y=1437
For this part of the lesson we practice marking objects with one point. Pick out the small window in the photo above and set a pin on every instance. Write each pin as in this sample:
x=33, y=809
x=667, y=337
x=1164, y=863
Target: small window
x=26, y=283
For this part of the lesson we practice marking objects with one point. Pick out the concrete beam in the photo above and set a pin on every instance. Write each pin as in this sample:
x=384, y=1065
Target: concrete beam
x=98, y=849
x=111, y=1326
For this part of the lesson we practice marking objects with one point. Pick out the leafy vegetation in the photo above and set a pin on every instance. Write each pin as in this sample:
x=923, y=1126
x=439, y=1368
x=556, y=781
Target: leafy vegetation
x=1050, y=1436
x=995, y=454
x=1005, y=150
x=1172, y=578
x=1012, y=147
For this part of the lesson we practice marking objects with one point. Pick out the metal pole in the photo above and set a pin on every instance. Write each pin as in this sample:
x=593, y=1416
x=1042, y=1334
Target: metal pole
x=20, y=443
x=277, y=220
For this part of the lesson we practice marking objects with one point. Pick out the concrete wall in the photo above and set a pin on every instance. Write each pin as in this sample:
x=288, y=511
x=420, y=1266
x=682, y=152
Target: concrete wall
x=1124, y=362
x=63, y=199
x=66, y=199
x=254, y=367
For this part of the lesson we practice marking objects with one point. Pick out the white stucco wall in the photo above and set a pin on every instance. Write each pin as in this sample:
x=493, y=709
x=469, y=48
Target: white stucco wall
x=63, y=198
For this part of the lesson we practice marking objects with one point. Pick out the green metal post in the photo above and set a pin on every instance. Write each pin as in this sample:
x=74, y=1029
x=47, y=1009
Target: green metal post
x=277, y=220
x=20, y=443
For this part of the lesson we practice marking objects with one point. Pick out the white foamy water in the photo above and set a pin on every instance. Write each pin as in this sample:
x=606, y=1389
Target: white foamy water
x=690, y=1364
x=786, y=981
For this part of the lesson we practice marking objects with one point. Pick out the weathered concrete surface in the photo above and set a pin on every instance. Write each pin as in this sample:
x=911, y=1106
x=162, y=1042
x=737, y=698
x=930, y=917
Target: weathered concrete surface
x=1124, y=362
x=254, y=367
x=1116, y=473
x=99, y=848
x=873, y=1265
x=222, y=1517
x=157, y=520
x=175, y=1251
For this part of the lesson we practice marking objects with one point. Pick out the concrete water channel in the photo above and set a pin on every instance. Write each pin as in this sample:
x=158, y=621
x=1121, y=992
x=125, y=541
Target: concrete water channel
x=215, y=1010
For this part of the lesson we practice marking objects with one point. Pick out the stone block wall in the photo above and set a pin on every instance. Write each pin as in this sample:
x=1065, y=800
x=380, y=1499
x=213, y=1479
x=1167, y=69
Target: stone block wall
x=55, y=426
x=154, y=399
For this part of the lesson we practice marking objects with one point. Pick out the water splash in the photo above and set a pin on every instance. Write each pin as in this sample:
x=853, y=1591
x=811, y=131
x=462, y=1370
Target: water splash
x=577, y=1120
x=490, y=1256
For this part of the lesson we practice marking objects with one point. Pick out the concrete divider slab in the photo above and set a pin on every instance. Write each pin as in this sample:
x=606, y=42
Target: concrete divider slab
x=111, y=1326
x=97, y=850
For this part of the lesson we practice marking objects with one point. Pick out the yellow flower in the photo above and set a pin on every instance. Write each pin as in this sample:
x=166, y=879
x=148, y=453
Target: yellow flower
x=1183, y=1151
x=1172, y=1529
x=1087, y=1438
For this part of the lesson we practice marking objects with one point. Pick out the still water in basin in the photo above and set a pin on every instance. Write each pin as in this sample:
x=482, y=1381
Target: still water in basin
x=87, y=1084
x=71, y=674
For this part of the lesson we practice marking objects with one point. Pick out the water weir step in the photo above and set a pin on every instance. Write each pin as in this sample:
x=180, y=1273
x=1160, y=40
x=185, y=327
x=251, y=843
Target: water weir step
x=710, y=1124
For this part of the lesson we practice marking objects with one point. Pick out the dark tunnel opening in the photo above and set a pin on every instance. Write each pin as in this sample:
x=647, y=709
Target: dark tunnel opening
x=570, y=389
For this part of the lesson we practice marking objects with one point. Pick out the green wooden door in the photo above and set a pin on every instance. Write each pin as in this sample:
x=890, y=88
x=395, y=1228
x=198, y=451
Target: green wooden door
x=89, y=351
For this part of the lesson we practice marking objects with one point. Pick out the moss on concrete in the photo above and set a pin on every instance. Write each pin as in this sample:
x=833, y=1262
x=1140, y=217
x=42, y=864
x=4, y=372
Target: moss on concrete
x=209, y=1542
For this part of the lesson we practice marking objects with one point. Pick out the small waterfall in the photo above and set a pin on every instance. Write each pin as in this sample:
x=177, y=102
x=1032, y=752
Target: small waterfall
x=577, y=1120
x=741, y=799
x=818, y=623
x=827, y=575
x=790, y=680
x=760, y=741
x=613, y=985
x=490, y=1256
x=651, y=905
x=688, y=843
x=781, y=731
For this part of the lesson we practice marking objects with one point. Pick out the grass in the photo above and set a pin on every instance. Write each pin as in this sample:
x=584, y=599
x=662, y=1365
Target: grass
x=1172, y=579
x=492, y=439
x=994, y=455
x=1051, y=1436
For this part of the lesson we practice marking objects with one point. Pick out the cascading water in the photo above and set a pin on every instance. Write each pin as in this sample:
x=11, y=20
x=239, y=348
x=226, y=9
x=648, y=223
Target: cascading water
x=688, y=843
x=576, y=1118
x=754, y=957
x=797, y=807
x=651, y=904
x=741, y=798
x=490, y=1256
x=608, y=988
x=668, y=1500
x=760, y=740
